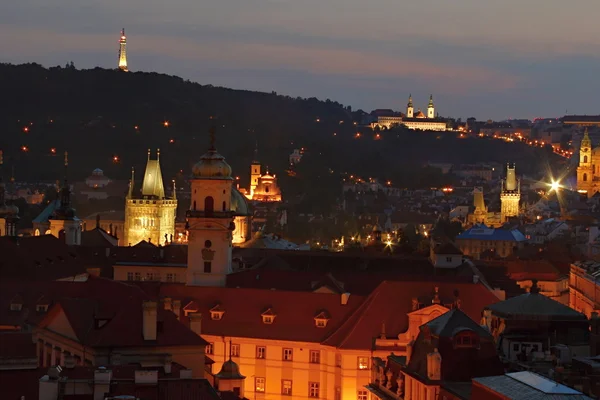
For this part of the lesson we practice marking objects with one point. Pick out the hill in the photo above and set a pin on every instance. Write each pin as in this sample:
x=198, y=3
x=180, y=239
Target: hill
x=100, y=114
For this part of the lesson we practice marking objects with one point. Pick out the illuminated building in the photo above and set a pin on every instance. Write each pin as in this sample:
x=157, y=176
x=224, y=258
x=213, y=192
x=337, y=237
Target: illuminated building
x=510, y=195
x=413, y=120
x=480, y=214
x=9, y=214
x=588, y=171
x=123, y=51
x=151, y=215
x=63, y=220
x=263, y=188
x=254, y=171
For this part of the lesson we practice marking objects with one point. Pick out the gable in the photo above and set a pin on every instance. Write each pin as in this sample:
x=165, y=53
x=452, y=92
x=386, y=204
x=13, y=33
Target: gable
x=60, y=324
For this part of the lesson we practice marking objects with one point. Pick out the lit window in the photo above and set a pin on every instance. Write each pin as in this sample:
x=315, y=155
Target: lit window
x=261, y=352
x=286, y=387
x=321, y=323
x=209, y=348
x=259, y=384
x=41, y=308
x=363, y=362
x=130, y=276
x=216, y=315
x=362, y=395
x=313, y=389
x=315, y=356
x=267, y=319
x=288, y=354
x=235, y=350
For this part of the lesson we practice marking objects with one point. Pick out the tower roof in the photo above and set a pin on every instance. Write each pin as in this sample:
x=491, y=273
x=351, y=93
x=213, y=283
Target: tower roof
x=212, y=165
x=430, y=100
x=410, y=102
x=152, y=185
x=586, y=142
x=230, y=370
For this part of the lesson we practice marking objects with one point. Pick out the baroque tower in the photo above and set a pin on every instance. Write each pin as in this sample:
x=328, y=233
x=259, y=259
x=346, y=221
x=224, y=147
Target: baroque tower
x=63, y=221
x=430, y=108
x=585, y=169
x=9, y=214
x=254, y=171
x=410, y=110
x=210, y=220
x=151, y=215
x=510, y=195
x=123, y=51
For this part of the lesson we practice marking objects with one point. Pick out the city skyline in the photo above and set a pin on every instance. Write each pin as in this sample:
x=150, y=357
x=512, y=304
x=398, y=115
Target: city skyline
x=488, y=61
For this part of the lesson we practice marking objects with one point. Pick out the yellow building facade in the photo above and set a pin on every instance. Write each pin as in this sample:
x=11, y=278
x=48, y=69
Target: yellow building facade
x=150, y=216
x=588, y=171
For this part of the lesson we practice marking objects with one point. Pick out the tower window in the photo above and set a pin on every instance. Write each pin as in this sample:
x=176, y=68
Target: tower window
x=209, y=204
x=224, y=206
x=207, y=267
x=585, y=159
x=208, y=244
x=194, y=205
x=585, y=177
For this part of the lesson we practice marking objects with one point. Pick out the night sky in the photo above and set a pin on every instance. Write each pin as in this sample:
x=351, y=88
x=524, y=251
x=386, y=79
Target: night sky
x=488, y=59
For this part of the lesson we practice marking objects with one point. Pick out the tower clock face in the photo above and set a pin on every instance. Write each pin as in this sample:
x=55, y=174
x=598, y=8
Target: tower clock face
x=585, y=149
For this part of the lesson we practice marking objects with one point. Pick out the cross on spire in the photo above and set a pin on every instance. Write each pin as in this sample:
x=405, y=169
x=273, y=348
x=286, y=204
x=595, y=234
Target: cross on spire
x=212, y=132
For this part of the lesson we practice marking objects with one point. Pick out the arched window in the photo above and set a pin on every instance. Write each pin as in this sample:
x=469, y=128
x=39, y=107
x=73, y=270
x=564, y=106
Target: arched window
x=585, y=159
x=266, y=189
x=194, y=205
x=37, y=232
x=209, y=204
x=585, y=177
x=224, y=206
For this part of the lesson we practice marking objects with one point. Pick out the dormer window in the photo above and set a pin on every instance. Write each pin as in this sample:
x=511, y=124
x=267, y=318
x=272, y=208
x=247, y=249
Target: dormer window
x=268, y=316
x=216, y=313
x=41, y=308
x=321, y=319
x=16, y=304
x=466, y=339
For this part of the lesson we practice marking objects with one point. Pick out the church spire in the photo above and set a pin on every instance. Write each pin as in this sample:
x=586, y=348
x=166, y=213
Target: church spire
x=174, y=190
x=131, y=183
x=152, y=185
x=410, y=102
x=586, y=142
x=430, y=100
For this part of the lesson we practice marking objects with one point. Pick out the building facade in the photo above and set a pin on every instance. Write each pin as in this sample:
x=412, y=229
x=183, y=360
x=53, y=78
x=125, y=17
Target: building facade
x=150, y=216
x=588, y=171
x=510, y=195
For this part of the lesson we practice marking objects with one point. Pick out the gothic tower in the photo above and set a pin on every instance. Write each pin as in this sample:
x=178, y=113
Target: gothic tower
x=123, y=51
x=585, y=170
x=9, y=214
x=210, y=220
x=510, y=195
x=151, y=215
x=430, y=108
x=63, y=221
x=410, y=110
x=254, y=171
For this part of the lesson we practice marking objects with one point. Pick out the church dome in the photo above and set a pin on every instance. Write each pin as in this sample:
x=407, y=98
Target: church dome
x=239, y=205
x=230, y=370
x=212, y=165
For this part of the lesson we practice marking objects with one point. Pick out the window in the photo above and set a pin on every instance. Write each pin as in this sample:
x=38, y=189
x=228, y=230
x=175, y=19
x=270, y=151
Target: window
x=235, y=350
x=207, y=267
x=224, y=206
x=286, y=387
x=207, y=244
x=516, y=347
x=338, y=360
x=170, y=278
x=288, y=354
x=315, y=356
x=209, y=204
x=216, y=315
x=259, y=384
x=209, y=348
x=466, y=339
x=448, y=259
x=138, y=276
x=149, y=276
x=362, y=395
x=584, y=159
x=313, y=389
x=130, y=276
x=338, y=393
x=41, y=308
x=363, y=362
x=261, y=352
x=585, y=177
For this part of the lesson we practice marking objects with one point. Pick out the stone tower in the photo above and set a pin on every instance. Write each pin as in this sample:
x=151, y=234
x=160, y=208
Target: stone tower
x=210, y=220
x=151, y=215
x=123, y=51
x=430, y=108
x=510, y=195
x=254, y=171
x=64, y=221
x=410, y=110
x=585, y=170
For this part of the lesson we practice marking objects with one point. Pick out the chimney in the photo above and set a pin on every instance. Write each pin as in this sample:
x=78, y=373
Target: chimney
x=345, y=298
x=177, y=308
x=196, y=323
x=168, y=303
x=102, y=378
x=149, y=320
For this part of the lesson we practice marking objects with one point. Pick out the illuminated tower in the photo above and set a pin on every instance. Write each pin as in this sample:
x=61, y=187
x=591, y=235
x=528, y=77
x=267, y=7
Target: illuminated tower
x=585, y=170
x=63, y=221
x=481, y=212
x=9, y=214
x=410, y=110
x=430, y=108
x=510, y=195
x=150, y=216
x=254, y=171
x=210, y=220
x=123, y=51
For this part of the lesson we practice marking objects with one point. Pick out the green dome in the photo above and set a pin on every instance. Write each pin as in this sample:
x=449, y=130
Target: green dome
x=239, y=205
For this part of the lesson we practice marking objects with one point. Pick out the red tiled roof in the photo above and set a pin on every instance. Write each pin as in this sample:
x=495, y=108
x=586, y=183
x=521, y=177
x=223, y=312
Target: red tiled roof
x=524, y=270
x=392, y=301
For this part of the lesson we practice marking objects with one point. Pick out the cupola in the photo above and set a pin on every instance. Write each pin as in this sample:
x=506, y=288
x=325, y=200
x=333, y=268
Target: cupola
x=212, y=165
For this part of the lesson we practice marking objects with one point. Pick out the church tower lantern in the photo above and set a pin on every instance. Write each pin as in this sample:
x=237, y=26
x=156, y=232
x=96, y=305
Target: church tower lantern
x=210, y=220
x=410, y=110
x=430, y=108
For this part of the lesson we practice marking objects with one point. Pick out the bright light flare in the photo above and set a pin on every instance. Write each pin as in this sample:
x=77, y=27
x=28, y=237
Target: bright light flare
x=554, y=186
